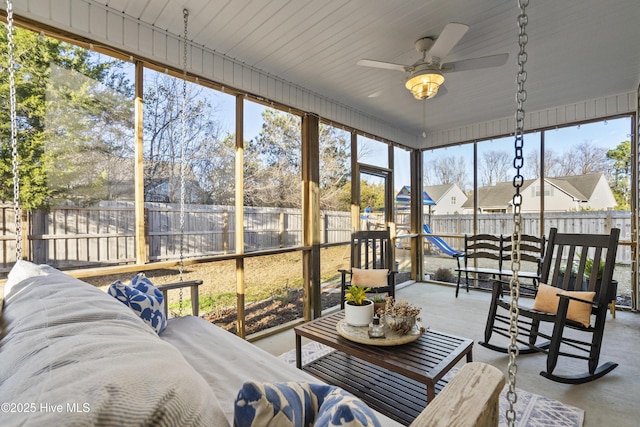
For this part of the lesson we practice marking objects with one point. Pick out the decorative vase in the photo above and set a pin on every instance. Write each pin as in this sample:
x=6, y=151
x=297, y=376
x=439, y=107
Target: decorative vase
x=379, y=306
x=358, y=315
x=403, y=325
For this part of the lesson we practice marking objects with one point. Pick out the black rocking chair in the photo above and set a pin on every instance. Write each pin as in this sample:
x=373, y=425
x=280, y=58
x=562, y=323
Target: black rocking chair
x=370, y=250
x=572, y=262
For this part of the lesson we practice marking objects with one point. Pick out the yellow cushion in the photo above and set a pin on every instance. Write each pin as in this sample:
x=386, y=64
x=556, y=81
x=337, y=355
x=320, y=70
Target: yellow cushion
x=372, y=278
x=579, y=311
x=547, y=300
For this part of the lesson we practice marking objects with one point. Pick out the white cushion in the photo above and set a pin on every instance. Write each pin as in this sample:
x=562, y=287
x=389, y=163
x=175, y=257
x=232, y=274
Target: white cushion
x=68, y=342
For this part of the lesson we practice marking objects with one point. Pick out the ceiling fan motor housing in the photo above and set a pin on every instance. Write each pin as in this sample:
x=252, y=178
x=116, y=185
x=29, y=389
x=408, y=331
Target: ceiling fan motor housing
x=424, y=44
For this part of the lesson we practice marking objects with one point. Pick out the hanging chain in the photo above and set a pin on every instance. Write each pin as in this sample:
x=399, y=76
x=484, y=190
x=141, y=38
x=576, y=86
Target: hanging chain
x=424, y=118
x=183, y=138
x=14, y=132
x=518, y=161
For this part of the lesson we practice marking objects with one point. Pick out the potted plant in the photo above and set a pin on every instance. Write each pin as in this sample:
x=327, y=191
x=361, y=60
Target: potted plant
x=588, y=266
x=358, y=310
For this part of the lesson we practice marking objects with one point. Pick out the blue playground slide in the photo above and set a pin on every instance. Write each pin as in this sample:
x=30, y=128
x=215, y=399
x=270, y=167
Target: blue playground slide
x=441, y=244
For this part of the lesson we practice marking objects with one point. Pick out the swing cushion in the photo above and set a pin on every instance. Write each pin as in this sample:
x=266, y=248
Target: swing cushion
x=71, y=346
x=143, y=298
x=547, y=301
x=299, y=404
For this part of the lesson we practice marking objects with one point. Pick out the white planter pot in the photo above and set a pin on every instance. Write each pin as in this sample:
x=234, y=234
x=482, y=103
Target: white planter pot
x=358, y=315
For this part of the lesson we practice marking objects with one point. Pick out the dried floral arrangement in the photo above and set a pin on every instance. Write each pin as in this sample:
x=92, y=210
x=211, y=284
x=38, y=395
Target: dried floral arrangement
x=400, y=316
x=400, y=308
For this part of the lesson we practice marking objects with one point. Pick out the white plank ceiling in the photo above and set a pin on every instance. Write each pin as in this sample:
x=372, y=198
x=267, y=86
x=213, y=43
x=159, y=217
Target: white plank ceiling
x=579, y=51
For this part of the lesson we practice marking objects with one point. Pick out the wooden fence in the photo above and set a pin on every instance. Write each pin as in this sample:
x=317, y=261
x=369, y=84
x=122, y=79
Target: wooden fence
x=565, y=222
x=104, y=235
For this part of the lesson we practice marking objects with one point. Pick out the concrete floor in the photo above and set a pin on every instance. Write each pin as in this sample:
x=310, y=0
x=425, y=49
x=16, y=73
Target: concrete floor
x=613, y=400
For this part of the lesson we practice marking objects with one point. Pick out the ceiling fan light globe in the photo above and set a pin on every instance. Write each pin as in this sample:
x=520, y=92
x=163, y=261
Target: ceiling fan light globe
x=425, y=85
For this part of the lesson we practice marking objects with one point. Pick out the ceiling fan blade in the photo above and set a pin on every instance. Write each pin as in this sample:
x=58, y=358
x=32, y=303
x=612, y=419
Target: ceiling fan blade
x=449, y=37
x=381, y=64
x=476, y=63
x=442, y=90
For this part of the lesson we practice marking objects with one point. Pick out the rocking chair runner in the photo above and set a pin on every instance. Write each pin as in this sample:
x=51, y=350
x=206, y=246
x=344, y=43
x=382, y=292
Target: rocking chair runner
x=370, y=250
x=571, y=270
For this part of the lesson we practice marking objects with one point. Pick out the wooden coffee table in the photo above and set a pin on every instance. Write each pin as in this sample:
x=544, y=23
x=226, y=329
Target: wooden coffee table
x=391, y=380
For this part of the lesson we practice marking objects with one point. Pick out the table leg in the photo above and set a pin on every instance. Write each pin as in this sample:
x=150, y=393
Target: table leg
x=470, y=356
x=298, y=351
x=431, y=393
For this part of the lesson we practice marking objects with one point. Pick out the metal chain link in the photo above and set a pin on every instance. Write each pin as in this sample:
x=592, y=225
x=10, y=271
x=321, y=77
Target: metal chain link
x=14, y=139
x=518, y=161
x=183, y=138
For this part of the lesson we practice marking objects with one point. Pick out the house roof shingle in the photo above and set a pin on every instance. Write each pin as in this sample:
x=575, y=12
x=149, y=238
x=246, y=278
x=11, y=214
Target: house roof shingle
x=580, y=187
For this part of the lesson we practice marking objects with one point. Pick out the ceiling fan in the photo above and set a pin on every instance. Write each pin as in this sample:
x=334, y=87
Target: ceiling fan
x=426, y=75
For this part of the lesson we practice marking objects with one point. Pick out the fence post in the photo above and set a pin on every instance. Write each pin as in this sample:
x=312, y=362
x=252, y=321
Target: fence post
x=282, y=229
x=325, y=221
x=225, y=232
x=24, y=220
x=147, y=237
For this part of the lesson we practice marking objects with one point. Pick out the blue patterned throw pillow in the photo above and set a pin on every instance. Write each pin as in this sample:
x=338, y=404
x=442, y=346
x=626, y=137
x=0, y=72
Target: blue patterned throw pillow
x=299, y=405
x=143, y=298
x=340, y=408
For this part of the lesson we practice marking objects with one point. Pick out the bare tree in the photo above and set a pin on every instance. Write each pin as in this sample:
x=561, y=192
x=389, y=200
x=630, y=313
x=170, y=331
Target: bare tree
x=447, y=170
x=591, y=159
x=582, y=159
x=532, y=164
x=495, y=167
x=163, y=131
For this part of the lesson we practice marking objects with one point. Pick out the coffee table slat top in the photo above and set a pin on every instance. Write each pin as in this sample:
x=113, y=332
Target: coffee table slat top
x=401, y=400
x=426, y=360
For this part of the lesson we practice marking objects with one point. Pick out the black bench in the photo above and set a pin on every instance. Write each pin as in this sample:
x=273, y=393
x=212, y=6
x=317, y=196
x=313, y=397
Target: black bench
x=498, y=249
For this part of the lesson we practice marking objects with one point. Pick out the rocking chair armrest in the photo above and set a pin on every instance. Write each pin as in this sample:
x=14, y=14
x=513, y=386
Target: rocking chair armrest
x=500, y=282
x=503, y=286
x=572, y=298
x=345, y=272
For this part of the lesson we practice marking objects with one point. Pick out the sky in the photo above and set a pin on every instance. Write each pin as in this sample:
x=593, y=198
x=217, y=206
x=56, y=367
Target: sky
x=606, y=134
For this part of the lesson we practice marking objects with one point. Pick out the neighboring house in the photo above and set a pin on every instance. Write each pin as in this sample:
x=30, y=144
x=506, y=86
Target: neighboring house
x=448, y=198
x=437, y=199
x=566, y=193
